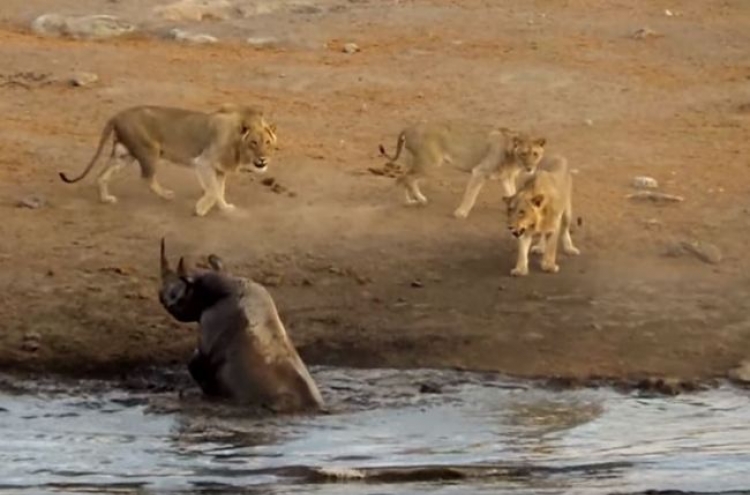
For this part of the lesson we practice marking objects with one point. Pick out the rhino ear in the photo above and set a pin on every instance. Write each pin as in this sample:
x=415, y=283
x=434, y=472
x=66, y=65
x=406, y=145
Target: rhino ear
x=182, y=270
x=165, y=269
x=216, y=263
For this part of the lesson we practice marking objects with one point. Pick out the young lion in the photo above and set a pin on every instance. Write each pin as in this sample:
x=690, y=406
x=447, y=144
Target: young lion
x=486, y=153
x=543, y=207
x=244, y=352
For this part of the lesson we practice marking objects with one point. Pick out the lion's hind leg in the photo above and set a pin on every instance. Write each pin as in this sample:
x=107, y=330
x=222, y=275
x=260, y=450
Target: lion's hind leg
x=148, y=158
x=112, y=167
x=567, y=242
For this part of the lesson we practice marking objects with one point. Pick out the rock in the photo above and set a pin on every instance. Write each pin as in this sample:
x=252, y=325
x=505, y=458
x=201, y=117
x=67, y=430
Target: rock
x=417, y=284
x=643, y=33
x=430, y=388
x=588, y=122
x=31, y=202
x=704, y=251
x=740, y=374
x=655, y=197
x=306, y=9
x=180, y=35
x=195, y=10
x=81, y=79
x=31, y=341
x=668, y=13
x=81, y=27
x=263, y=41
x=644, y=182
x=350, y=48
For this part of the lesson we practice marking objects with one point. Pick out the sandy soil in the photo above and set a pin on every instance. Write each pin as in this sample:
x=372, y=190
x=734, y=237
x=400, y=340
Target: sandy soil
x=360, y=279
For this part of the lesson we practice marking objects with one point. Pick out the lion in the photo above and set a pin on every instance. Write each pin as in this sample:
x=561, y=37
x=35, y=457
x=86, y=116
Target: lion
x=244, y=353
x=214, y=144
x=542, y=207
x=487, y=153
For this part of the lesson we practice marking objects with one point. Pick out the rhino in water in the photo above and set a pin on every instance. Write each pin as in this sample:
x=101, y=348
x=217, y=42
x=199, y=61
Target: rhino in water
x=244, y=352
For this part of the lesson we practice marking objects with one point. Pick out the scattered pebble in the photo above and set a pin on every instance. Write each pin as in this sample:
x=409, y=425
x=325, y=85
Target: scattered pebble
x=704, y=251
x=31, y=202
x=263, y=42
x=644, y=182
x=199, y=39
x=668, y=13
x=430, y=388
x=81, y=79
x=643, y=33
x=31, y=341
x=417, y=284
x=350, y=48
x=588, y=122
x=656, y=197
x=740, y=374
x=81, y=27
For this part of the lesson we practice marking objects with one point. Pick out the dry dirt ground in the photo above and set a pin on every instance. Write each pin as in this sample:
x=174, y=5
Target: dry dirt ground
x=360, y=279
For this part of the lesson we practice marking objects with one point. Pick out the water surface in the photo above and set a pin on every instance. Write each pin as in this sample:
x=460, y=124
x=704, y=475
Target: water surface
x=481, y=433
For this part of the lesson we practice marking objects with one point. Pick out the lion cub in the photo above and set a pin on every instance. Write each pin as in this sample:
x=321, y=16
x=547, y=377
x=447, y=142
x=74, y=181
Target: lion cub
x=487, y=153
x=542, y=208
x=244, y=352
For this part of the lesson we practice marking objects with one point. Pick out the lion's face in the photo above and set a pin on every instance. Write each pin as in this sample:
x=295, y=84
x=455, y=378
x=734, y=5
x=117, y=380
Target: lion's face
x=528, y=152
x=524, y=213
x=258, y=141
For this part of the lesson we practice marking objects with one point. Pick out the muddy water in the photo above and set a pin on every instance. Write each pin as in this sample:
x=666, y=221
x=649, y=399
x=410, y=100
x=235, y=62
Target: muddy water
x=478, y=434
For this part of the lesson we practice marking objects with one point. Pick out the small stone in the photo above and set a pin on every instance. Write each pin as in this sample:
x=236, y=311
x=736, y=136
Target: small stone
x=351, y=48
x=417, y=284
x=81, y=27
x=198, y=39
x=668, y=13
x=31, y=202
x=31, y=341
x=741, y=373
x=704, y=251
x=655, y=197
x=194, y=10
x=643, y=33
x=588, y=122
x=430, y=388
x=81, y=79
x=263, y=42
x=644, y=182
x=268, y=181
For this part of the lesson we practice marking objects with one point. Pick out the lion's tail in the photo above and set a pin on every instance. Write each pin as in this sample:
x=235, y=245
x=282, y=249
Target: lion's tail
x=399, y=147
x=106, y=133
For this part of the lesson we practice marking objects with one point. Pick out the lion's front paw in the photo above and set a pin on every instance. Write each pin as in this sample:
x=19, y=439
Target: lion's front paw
x=519, y=272
x=108, y=199
x=537, y=249
x=459, y=213
x=572, y=251
x=228, y=207
x=551, y=267
x=167, y=194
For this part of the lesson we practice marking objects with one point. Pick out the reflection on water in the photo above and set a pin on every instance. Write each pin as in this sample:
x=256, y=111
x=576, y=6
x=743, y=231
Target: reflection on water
x=494, y=435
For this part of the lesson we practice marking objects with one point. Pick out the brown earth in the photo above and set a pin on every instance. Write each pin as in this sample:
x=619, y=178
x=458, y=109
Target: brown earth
x=360, y=279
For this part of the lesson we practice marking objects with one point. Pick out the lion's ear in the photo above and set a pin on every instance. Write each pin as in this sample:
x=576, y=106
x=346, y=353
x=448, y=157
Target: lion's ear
x=537, y=200
x=541, y=142
x=272, y=127
x=507, y=199
x=516, y=141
